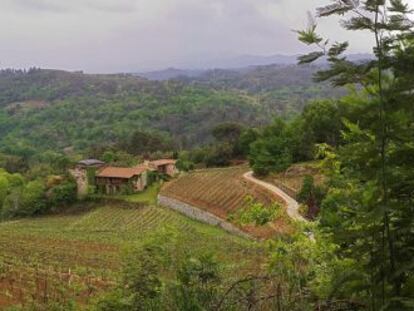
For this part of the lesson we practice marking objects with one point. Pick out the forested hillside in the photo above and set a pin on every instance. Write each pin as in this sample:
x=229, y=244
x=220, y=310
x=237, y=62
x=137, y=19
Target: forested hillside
x=48, y=109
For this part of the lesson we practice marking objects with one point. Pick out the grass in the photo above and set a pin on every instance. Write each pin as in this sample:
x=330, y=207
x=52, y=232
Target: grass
x=146, y=197
x=149, y=196
x=80, y=256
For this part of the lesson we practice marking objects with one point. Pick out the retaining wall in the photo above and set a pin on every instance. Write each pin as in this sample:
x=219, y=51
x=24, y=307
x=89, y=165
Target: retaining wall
x=200, y=215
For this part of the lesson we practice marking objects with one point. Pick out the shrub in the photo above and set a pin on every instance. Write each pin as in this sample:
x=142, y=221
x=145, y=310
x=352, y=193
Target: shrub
x=63, y=194
x=184, y=165
x=256, y=213
x=311, y=195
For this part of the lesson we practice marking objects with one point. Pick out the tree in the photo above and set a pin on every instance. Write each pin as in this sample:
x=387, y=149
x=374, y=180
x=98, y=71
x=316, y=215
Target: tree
x=227, y=132
x=198, y=283
x=4, y=188
x=64, y=194
x=322, y=122
x=273, y=150
x=311, y=195
x=218, y=155
x=371, y=192
x=247, y=137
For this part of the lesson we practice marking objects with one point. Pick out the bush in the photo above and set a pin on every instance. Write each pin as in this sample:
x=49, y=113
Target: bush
x=311, y=195
x=184, y=165
x=219, y=155
x=256, y=213
x=63, y=194
x=27, y=200
x=272, y=152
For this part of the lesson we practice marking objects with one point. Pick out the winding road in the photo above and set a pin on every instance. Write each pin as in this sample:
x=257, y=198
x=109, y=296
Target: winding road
x=292, y=206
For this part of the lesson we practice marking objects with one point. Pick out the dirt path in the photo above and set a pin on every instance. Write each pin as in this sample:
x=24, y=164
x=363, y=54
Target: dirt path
x=292, y=206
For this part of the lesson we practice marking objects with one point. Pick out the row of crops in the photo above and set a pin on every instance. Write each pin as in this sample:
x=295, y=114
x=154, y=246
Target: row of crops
x=79, y=256
x=221, y=192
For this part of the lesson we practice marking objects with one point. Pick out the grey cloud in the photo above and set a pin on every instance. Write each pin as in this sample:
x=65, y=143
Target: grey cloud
x=130, y=35
x=40, y=5
x=64, y=6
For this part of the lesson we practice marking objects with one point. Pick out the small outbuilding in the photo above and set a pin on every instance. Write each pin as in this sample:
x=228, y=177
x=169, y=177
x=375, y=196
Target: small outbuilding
x=112, y=180
x=165, y=166
x=90, y=163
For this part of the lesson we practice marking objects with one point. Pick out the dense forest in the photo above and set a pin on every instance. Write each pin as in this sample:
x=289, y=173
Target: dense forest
x=47, y=109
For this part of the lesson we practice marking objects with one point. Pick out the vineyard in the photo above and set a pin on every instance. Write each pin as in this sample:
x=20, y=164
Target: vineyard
x=222, y=192
x=77, y=257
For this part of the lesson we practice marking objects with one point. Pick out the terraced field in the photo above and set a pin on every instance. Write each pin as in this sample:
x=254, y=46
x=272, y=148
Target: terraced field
x=79, y=256
x=222, y=192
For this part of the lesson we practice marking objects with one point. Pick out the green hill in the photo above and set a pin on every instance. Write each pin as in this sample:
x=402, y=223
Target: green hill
x=50, y=109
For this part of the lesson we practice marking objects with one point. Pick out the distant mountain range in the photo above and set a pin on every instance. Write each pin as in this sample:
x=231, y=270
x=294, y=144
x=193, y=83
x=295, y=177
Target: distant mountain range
x=239, y=63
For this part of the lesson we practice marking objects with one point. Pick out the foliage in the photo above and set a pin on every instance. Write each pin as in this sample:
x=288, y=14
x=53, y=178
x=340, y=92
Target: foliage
x=247, y=137
x=227, y=132
x=136, y=115
x=256, y=213
x=184, y=165
x=311, y=195
x=90, y=175
x=144, y=143
x=368, y=209
x=63, y=194
x=20, y=197
x=25, y=201
x=322, y=122
x=219, y=155
x=272, y=151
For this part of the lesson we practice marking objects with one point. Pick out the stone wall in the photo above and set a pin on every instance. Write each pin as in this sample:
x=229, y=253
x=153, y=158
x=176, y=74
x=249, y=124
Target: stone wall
x=200, y=215
x=81, y=178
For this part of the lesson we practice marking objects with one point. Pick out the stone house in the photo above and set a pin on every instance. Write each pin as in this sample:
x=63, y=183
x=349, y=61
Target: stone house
x=164, y=166
x=80, y=173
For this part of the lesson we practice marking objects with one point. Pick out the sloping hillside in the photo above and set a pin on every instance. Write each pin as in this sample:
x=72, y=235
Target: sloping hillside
x=79, y=256
x=102, y=109
x=222, y=192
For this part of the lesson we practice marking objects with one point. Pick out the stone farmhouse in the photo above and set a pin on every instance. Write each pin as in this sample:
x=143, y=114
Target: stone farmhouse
x=112, y=180
x=80, y=173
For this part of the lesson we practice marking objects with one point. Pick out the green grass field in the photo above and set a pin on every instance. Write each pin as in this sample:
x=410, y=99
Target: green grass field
x=148, y=196
x=79, y=256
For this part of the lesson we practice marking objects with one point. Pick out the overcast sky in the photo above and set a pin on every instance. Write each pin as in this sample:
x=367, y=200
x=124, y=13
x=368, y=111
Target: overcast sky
x=136, y=35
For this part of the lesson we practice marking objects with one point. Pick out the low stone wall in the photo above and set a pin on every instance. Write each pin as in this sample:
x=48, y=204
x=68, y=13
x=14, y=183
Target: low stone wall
x=200, y=215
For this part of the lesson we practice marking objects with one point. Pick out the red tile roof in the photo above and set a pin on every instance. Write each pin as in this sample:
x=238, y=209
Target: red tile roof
x=121, y=172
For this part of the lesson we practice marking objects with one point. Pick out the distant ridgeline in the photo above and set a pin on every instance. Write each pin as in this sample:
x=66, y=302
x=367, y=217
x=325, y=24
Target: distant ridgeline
x=51, y=109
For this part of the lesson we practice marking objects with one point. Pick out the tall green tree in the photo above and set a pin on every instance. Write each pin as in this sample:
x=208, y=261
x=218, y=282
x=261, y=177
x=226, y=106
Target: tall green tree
x=370, y=208
x=273, y=150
